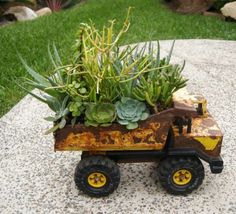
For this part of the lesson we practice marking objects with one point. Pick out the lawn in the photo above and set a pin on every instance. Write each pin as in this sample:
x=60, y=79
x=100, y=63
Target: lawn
x=151, y=20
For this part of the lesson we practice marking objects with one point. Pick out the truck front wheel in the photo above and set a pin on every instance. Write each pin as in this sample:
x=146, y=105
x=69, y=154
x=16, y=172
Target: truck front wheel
x=181, y=175
x=97, y=176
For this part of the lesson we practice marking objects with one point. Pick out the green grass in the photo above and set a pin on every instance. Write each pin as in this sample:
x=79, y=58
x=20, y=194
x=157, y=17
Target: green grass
x=150, y=21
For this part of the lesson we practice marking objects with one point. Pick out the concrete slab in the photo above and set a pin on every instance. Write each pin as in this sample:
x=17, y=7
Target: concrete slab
x=34, y=179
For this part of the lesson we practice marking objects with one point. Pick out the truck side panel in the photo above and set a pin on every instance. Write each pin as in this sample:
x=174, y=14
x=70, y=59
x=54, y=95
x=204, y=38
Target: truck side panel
x=151, y=135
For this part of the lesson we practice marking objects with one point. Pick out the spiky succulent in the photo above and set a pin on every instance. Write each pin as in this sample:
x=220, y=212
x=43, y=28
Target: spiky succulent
x=130, y=111
x=100, y=114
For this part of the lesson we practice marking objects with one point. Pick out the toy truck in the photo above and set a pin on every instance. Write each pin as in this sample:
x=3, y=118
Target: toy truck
x=178, y=138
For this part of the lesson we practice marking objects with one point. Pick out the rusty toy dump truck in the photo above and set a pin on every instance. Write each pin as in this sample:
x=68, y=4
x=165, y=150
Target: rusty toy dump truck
x=178, y=138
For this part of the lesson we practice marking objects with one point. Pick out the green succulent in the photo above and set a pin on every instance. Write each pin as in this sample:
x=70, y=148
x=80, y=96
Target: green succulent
x=53, y=96
x=130, y=111
x=76, y=88
x=76, y=107
x=100, y=114
x=163, y=79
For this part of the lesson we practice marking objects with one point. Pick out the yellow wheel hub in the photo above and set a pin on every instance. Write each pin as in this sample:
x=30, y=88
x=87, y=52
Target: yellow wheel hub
x=182, y=177
x=97, y=179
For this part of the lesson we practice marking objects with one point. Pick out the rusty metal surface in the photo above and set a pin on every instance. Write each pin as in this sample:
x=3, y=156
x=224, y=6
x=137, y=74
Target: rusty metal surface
x=205, y=136
x=150, y=135
x=185, y=101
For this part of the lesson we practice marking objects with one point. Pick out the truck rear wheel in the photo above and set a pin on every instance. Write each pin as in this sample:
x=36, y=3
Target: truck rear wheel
x=181, y=175
x=97, y=176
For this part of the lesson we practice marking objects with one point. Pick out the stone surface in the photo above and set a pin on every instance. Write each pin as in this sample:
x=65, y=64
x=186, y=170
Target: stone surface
x=21, y=13
x=229, y=10
x=190, y=6
x=44, y=11
x=35, y=179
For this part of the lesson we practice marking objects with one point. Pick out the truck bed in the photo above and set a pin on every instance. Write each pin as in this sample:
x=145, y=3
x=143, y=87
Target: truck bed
x=150, y=135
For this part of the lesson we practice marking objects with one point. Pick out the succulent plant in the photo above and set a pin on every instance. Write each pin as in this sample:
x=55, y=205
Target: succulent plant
x=100, y=114
x=53, y=96
x=76, y=88
x=160, y=82
x=130, y=111
x=76, y=107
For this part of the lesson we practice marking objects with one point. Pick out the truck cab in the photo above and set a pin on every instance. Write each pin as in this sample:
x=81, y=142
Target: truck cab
x=197, y=134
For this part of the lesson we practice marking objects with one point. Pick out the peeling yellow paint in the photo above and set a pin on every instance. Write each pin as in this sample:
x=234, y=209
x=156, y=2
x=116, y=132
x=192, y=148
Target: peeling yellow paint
x=208, y=142
x=137, y=139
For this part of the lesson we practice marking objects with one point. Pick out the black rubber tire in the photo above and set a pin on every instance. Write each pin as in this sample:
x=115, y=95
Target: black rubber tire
x=170, y=165
x=99, y=164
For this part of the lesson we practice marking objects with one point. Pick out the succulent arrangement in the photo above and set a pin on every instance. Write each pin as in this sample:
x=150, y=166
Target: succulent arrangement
x=106, y=84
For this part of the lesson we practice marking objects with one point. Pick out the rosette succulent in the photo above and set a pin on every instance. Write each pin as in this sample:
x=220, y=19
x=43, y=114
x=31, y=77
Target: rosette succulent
x=100, y=114
x=130, y=111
